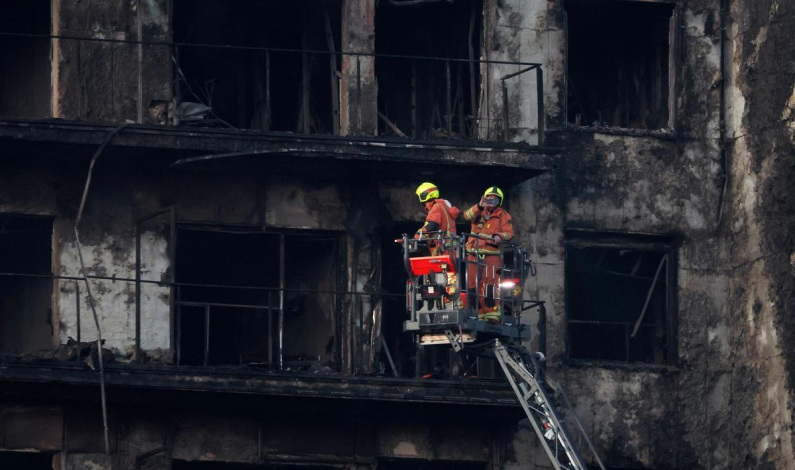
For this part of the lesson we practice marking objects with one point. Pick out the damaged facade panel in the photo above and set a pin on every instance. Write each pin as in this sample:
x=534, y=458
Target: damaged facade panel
x=109, y=76
x=266, y=439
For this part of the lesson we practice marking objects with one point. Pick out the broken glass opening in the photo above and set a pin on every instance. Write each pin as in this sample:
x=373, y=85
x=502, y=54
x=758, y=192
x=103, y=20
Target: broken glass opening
x=618, y=302
x=228, y=325
x=25, y=302
x=25, y=89
x=285, y=91
x=618, y=63
x=424, y=98
x=29, y=460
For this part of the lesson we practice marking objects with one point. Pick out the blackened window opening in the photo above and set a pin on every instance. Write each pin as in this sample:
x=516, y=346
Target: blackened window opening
x=268, y=91
x=28, y=460
x=618, y=63
x=25, y=89
x=619, y=304
x=25, y=302
x=242, y=329
x=423, y=98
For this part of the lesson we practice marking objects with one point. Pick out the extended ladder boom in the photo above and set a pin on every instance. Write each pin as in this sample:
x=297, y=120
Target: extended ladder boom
x=542, y=413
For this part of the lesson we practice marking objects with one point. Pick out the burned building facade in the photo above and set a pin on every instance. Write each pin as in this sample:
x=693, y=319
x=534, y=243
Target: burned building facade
x=242, y=169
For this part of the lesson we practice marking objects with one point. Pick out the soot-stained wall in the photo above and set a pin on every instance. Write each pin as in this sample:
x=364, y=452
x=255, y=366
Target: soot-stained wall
x=727, y=400
x=734, y=277
x=129, y=185
x=267, y=437
x=105, y=80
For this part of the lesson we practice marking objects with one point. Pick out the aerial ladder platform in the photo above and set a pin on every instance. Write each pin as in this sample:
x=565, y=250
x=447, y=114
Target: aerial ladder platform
x=443, y=313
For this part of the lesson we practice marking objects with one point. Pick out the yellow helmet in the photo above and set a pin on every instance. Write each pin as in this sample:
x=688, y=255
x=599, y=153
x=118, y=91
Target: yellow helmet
x=495, y=191
x=427, y=191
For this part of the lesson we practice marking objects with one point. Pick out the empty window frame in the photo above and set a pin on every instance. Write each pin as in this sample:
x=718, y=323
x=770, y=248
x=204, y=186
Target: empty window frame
x=29, y=460
x=25, y=302
x=233, y=325
x=621, y=298
x=428, y=98
x=619, y=63
x=25, y=89
x=286, y=90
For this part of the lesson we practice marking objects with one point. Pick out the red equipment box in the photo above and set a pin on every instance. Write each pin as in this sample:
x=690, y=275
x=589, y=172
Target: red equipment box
x=424, y=264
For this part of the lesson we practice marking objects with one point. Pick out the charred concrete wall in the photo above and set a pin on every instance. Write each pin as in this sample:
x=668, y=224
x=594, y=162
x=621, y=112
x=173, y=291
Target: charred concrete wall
x=726, y=402
x=522, y=31
x=127, y=186
x=759, y=222
x=358, y=86
x=105, y=80
x=734, y=279
x=74, y=435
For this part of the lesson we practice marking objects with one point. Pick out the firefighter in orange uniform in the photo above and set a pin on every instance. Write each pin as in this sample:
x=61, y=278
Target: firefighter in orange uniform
x=441, y=218
x=490, y=220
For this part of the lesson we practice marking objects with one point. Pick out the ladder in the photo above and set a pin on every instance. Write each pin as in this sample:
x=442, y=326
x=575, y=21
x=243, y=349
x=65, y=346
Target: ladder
x=540, y=410
x=530, y=390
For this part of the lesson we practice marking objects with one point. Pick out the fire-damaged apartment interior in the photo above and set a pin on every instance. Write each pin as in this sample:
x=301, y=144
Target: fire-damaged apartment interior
x=208, y=212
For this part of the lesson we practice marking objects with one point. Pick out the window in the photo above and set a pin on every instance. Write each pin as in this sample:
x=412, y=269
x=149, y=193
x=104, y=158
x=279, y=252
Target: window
x=227, y=324
x=620, y=297
x=25, y=61
x=28, y=460
x=254, y=89
x=619, y=63
x=418, y=97
x=25, y=302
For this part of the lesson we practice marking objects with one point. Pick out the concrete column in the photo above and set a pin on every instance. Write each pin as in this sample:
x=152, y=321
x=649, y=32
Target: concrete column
x=358, y=88
x=109, y=81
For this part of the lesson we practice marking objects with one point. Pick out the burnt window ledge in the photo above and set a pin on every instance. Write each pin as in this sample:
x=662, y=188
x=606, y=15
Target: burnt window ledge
x=662, y=134
x=612, y=281
x=660, y=369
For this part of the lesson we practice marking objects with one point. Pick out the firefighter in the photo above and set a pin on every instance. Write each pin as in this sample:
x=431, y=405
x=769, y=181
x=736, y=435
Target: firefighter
x=441, y=218
x=490, y=220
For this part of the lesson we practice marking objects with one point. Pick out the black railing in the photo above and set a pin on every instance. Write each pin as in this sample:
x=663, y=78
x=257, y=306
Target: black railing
x=336, y=97
x=359, y=356
x=360, y=345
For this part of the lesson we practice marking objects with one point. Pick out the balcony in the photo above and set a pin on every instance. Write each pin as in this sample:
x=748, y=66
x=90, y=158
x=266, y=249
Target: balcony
x=251, y=89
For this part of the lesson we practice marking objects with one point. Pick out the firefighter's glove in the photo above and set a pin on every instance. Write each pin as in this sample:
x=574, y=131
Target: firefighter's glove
x=497, y=239
x=482, y=203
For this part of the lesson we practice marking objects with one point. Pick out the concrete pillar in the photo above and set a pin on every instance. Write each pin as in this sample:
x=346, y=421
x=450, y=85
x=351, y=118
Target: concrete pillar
x=110, y=81
x=358, y=88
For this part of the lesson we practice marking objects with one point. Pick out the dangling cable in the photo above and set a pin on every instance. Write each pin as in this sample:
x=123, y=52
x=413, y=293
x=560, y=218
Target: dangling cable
x=91, y=301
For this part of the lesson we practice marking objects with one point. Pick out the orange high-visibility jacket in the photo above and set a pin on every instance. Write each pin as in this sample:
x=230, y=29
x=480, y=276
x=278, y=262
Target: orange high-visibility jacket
x=441, y=214
x=498, y=222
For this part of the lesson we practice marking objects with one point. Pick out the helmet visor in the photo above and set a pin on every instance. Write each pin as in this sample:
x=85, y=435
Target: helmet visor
x=425, y=194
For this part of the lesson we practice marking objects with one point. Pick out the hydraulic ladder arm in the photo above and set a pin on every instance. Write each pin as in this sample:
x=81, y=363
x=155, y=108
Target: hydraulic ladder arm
x=540, y=410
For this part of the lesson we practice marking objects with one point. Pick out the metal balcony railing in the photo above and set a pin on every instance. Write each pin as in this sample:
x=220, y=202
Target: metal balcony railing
x=338, y=92
x=361, y=346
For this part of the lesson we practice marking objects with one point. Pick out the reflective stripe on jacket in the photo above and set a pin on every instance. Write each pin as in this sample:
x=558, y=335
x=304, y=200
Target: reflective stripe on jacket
x=443, y=214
